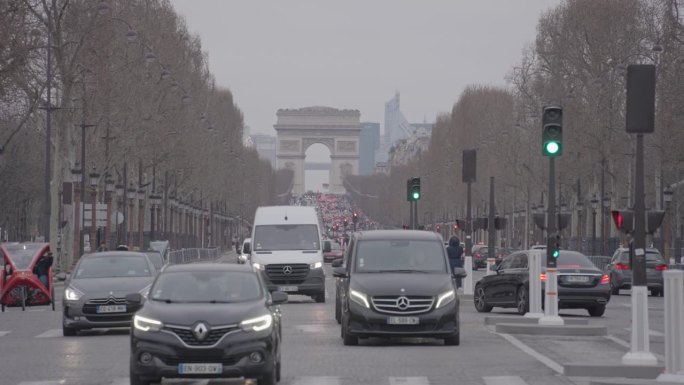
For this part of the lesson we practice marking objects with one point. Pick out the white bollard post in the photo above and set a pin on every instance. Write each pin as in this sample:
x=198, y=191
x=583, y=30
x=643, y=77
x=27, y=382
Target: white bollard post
x=468, y=280
x=551, y=316
x=534, y=265
x=674, y=326
x=640, y=353
x=490, y=264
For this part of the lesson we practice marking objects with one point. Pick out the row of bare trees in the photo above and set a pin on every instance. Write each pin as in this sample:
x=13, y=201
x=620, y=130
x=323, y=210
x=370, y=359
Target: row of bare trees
x=131, y=74
x=578, y=61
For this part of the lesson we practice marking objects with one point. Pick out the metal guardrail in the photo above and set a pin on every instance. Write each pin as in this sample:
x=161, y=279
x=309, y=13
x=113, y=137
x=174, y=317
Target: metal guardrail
x=193, y=255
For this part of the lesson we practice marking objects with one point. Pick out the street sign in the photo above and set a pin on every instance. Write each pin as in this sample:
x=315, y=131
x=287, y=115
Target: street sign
x=100, y=216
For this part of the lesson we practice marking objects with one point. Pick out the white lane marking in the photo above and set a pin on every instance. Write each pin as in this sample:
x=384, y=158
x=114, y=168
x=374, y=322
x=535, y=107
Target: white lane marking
x=651, y=332
x=54, y=382
x=121, y=381
x=52, y=333
x=317, y=380
x=553, y=365
x=504, y=380
x=4, y=333
x=311, y=328
x=409, y=381
x=36, y=309
x=649, y=308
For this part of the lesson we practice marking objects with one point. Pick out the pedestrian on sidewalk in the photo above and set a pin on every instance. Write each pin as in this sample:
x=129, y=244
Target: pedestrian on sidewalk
x=455, y=254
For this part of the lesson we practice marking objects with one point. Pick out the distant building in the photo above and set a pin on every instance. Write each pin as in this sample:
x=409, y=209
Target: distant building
x=398, y=131
x=266, y=148
x=369, y=142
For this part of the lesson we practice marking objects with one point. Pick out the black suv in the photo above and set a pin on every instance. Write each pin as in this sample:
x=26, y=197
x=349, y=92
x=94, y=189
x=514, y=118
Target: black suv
x=397, y=283
x=206, y=321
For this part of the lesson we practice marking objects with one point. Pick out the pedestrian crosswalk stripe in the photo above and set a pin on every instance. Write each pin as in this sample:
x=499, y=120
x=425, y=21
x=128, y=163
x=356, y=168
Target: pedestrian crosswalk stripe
x=4, y=333
x=52, y=333
x=504, y=380
x=314, y=380
x=409, y=381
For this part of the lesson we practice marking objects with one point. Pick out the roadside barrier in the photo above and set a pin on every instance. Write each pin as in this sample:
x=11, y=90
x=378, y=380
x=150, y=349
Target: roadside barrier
x=193, y=255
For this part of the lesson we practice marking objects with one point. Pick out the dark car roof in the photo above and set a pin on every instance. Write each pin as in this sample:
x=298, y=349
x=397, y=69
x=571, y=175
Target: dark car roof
x=414, y=235
x=208, y=267
x=115, y=253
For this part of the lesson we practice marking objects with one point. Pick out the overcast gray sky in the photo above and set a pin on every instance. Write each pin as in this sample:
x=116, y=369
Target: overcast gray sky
x=357, y=53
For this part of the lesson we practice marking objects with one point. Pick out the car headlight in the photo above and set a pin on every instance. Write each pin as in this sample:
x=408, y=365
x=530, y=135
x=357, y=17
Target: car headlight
x=72, y=294
x=316, y=265
x=359, y=298
x=257, y=324
x=445, y=298
x=147, y=324
x=258, y=266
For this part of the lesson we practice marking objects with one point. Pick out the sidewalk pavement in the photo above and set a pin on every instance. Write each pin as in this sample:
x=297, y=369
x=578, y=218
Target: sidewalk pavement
x=227, y=257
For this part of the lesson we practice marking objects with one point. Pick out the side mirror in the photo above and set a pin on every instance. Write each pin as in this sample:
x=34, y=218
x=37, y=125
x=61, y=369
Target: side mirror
x=337, y=263
x=278, y=297
x=459, y=272
x=339, y=272
x=246, y=249
x=8, y=269
x=134, y=298
x=62, y=277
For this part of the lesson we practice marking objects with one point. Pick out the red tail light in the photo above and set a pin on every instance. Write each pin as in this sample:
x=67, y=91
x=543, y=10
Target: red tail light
x=605, y=279
x=477, y=255
x=621, y=266
x=542, y=276
x=661, y=267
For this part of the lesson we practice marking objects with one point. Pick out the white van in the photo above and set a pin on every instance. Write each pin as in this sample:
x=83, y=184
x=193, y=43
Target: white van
x=287, y=250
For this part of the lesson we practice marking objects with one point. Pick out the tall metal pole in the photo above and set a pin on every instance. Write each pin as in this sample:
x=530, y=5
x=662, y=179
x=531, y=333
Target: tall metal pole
x=47, y=209
x=603, y=209
x=491, y=237
x=415, y=215
x=551, y=293
x=593, y=232
x=469, y=223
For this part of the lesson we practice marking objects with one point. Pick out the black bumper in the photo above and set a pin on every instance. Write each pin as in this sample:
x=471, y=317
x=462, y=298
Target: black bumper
x=78, y=316
x=571, y=298
x=313, y=284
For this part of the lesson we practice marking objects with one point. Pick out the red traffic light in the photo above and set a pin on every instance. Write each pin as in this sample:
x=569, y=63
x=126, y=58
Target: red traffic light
x=624, y=220
x=618, y=219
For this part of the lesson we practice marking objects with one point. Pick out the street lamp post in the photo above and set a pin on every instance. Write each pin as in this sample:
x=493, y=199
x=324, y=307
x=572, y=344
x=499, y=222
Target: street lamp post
x=109, y=190
x=605, y=230
x=141, y=218
x=155, y=201
x=76, y=176
x=121, y=205
x=94, y=179
x=667, y=229
x=594, y=206
x=131, y=206
x=580, y=209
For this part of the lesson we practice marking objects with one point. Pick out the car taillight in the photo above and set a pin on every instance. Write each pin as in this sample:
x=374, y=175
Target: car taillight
x=477, y=255
x=621, y=266
x=542, y=276
x=605, y=279
x=661, y=267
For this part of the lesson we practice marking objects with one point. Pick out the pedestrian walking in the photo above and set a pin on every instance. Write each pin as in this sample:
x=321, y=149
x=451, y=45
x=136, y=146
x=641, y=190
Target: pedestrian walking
x=455, y=254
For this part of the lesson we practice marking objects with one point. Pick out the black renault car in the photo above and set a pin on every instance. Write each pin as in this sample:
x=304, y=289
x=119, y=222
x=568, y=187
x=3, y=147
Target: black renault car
x=207, y=321
x=397, y=283
x=581, y=285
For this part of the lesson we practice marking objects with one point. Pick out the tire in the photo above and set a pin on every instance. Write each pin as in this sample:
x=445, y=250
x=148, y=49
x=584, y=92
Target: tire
x=479, y=300
x=614, y=290
x=597, y=311
x=348, y=339
x=3, y=307
x=522, y=302
x=52, y=298
x=135, y=380
x=320, y=297
x=453, y=340
x=656, y=293
x=337, y=312
x=278, y=371
x=68, y=332
x=269, y=378
x=23, y=298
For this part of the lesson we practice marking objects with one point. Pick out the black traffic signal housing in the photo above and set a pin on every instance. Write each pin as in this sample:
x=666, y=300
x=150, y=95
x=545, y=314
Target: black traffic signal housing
x=552, y=131
x=654, y=218
x=552, y=250
x=623, y=220
x=413, y=190
x=458, y=225
x=500, y=223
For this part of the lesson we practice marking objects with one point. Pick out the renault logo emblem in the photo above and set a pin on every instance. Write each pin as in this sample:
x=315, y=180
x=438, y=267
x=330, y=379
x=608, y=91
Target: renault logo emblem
x=403, y=303
x=200, y=331
x=287, y=270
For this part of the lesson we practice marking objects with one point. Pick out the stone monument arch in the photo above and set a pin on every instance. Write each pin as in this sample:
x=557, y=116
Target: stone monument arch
x=298, y=129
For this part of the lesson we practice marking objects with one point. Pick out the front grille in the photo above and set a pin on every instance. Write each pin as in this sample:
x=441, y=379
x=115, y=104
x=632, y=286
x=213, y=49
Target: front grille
x=593, y=281
x=276, y=273
x=187, y=336
x=107, y=301
x=104, y=318
x=392, y=304
x=175, y=361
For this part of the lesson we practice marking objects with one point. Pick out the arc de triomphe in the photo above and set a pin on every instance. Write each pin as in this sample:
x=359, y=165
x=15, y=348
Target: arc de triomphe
x=338, y=130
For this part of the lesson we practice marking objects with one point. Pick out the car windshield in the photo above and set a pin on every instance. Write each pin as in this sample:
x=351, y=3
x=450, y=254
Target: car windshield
x=113, y=266
x=651, y=256
x=401, y=256
x=335, y=246
x=206, y=287
x=155, y=258
x=286, y=237
x=569, y=260
x=22, y=254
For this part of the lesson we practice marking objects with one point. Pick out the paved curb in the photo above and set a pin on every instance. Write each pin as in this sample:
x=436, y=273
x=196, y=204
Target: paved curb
x=552, y=330
x=495, y=320
x=626, y=381
x=613, y=370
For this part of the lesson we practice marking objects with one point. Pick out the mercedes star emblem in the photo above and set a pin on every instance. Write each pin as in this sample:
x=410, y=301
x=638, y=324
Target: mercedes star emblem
x=200, y=331
x=403, y=303
x=287, y=270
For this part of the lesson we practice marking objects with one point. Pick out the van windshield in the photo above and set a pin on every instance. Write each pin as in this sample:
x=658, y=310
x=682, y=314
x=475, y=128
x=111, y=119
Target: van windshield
x=400, y=256
x=286, y=237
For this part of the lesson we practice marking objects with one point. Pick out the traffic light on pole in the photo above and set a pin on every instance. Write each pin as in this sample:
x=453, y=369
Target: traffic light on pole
x=552, y=131
x=355, y=217
x=414, y=189
x=624, y=220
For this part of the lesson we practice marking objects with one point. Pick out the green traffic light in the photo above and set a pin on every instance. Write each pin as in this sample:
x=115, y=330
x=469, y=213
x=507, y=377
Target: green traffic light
x=552, y=147
x=556, y=253
x=416, y=195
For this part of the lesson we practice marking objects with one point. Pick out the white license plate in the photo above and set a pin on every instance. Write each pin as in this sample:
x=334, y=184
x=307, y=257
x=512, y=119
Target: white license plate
x=403, y=320
x=287, y=288
x=577, y=278
x=111, y=309
x=200, y=369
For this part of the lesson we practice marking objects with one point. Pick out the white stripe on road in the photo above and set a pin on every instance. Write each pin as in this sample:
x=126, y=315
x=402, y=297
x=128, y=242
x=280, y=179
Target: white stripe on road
x=540, y=357
x=121, y=381
x=409, y=381
x=54, y=382
x=36, y=309
x=504, y=380
x=316, y=380
x=4, y=333
x=52, y=333
x=651, y=332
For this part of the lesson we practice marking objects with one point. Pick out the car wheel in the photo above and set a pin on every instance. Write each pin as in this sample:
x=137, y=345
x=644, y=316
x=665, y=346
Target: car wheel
x=68, y=332
x=656, y=292
x=269, y=378
x=320, y=297
x=613, y=289
x=135, y=380
x=454, y=340
x=278, y=371
x=597, y=311
x=480, y=302
x=52, y=298
x=337, y=311
x=521, y=302
x=348, y=339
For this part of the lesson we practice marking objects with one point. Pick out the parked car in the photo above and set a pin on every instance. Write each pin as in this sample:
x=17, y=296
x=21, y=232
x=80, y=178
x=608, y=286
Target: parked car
x=481, y=253
x=206, y=321
x=243, y=257
x=95, y=293
x=334, y=253
x=580, y=284
x=397, y=283
x=620, y=271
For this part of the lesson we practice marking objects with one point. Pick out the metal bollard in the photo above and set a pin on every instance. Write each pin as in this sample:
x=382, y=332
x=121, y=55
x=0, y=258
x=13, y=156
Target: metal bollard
x=673, y=282
x=534, y=265
x=490, y=264
x=468, y=280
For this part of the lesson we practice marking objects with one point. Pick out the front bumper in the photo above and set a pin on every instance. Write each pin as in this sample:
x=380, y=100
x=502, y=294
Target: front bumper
x=232, y=352
x=79, y=315
x=437, y=323
x=313, y=284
